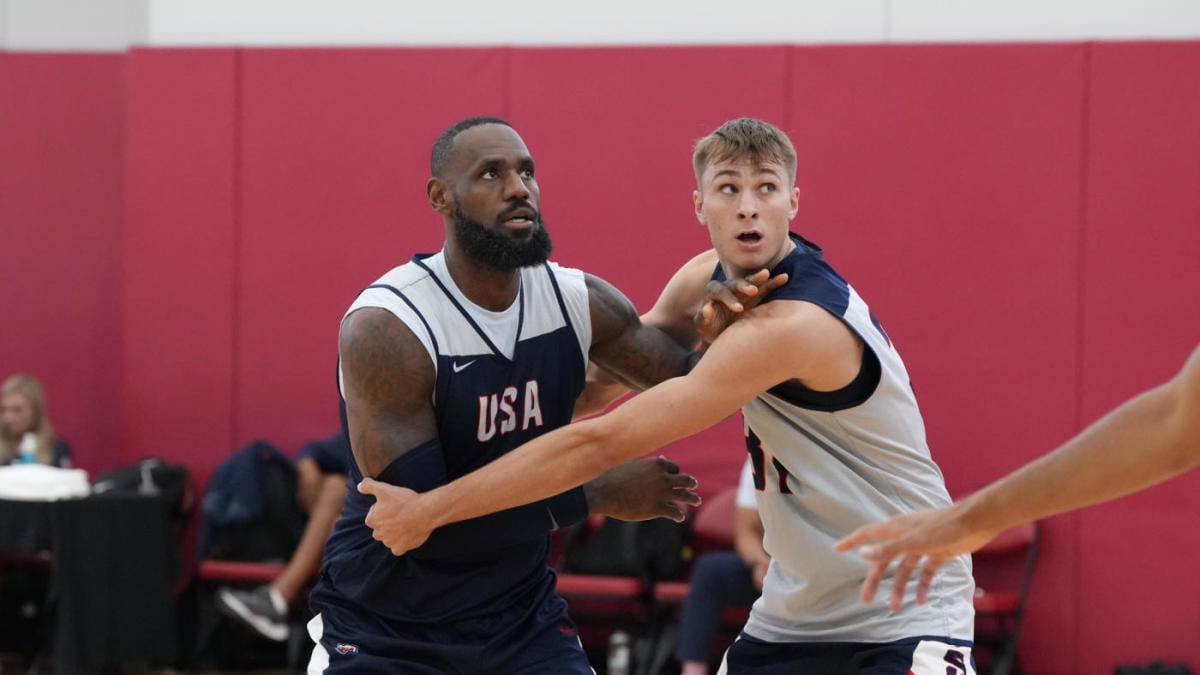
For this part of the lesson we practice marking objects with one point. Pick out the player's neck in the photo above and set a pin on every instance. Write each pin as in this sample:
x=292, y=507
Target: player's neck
x=734, y=272
x=491, y=288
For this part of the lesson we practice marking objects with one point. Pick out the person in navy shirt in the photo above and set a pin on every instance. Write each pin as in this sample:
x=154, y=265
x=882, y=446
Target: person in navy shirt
x=321, y=469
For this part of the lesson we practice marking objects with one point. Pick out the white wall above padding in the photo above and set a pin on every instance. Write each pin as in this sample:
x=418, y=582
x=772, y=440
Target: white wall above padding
x=73, y=25
x=549, y=22
x=117, y=24
x=1039, y=20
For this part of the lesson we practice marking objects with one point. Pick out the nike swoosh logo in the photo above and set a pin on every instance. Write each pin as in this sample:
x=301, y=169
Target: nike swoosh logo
x=459, y=367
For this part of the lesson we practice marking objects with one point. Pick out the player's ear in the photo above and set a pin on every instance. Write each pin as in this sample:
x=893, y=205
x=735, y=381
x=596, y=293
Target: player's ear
x=794, y=206
x=698, y=200
x=439, y=195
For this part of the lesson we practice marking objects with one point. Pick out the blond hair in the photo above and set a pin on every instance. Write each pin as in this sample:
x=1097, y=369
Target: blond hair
x=28, y=387
x=745, y=139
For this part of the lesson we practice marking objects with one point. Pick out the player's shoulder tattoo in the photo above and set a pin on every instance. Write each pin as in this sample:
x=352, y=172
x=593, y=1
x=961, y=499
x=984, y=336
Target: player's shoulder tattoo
x=382, y=357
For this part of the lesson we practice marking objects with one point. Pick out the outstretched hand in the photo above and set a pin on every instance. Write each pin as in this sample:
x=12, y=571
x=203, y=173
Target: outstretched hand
x=641, y=489
x=730, y=298
x=395, y=518
x=930, y=536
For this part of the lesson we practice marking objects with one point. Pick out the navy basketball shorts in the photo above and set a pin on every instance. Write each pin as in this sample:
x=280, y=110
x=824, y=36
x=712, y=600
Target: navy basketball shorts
x=537, y=640
x=915, y=656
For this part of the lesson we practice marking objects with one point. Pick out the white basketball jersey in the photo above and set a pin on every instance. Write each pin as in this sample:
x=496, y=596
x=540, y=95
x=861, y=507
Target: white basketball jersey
x=828, y=462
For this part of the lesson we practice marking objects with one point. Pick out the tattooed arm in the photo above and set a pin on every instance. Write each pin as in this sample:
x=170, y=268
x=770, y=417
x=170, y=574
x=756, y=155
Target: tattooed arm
x=387, y=381
x=636, y=353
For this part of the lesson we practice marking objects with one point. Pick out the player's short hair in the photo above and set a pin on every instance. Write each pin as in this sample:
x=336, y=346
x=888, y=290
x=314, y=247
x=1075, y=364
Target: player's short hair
x=443, y=147
x=745, y=138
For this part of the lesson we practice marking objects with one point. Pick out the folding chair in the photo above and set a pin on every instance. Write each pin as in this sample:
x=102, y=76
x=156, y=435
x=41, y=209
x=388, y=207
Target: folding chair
x=712, y=530
x=601, y=604
x=999, y=610
x=211, y=572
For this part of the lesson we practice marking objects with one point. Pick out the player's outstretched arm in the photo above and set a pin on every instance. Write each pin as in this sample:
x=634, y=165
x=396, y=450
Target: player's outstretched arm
x=754, y=354
x=640, y=489
x=691, y=311
x=1146, y=440
x=387, y=381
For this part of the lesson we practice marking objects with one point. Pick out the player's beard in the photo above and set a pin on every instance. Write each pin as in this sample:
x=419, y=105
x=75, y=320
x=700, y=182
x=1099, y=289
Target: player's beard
x=493, y=249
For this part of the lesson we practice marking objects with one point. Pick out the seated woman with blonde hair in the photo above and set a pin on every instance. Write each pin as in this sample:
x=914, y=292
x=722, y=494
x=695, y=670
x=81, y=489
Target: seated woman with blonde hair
x=22, y=412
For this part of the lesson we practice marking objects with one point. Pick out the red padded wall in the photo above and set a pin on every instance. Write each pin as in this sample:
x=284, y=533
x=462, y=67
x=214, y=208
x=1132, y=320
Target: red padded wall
x=612, y=130
x=1023, y=218
x=947, y=189
x=60, y=218
x=335, y=156
x=1141, y=320
x=179, y=247
x=944, y=183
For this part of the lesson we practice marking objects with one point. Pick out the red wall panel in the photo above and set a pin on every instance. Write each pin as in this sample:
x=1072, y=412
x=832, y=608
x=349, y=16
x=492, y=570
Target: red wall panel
x=180, y=277
x=335, y=157
x=612, y=130
x=944, y=183
x=61, y=123
x=1142, y=318
x=1023, y=218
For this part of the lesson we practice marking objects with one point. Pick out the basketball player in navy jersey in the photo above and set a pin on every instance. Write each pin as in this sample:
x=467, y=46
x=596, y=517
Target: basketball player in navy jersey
x=831, y=423
x=447, y=363
x=1144, y=441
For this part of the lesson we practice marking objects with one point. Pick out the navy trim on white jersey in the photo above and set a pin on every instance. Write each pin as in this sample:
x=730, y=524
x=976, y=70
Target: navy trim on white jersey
x=562, y=305
x=812, y=280
x=432, y=337
x=853, y=394
x=471, y=320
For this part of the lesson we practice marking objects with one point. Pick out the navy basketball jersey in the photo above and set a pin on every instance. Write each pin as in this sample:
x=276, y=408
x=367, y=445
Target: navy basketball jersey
x=503, y=378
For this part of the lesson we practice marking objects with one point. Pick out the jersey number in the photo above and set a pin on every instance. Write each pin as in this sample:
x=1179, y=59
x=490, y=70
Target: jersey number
x=758, y=463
